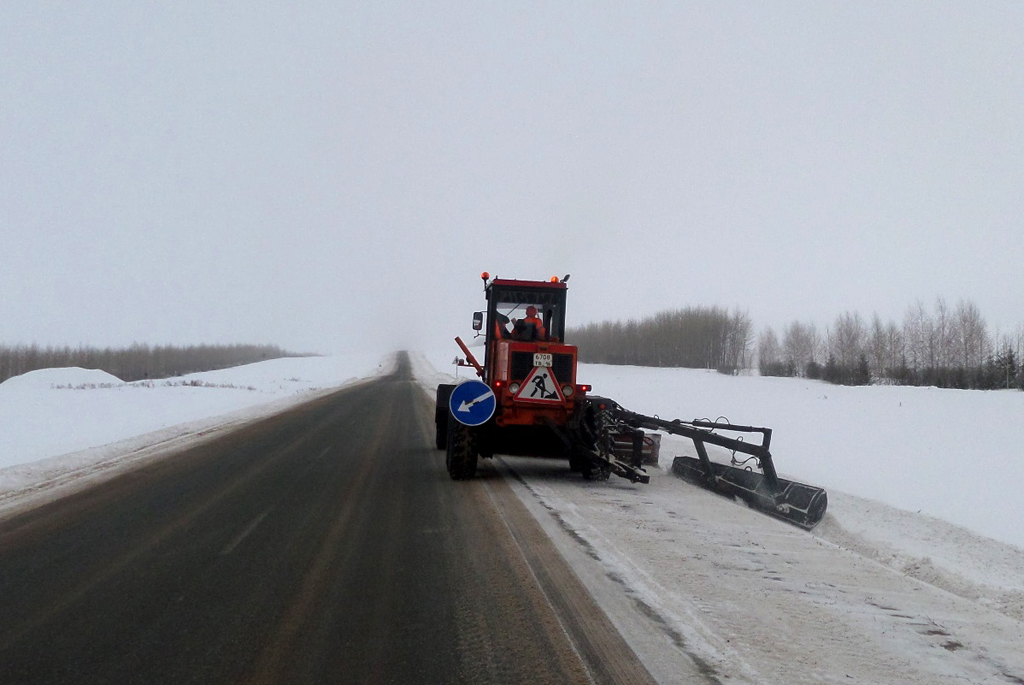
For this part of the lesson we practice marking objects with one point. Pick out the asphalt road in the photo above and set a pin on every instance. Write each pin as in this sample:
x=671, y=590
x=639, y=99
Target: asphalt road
x=323, y=545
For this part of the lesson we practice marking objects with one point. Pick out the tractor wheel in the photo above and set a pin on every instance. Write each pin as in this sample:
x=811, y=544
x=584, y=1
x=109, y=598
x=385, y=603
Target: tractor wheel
x=578, y=462
x=441, y=413
x=461, y=454
x=441, y=436
x=596, y=471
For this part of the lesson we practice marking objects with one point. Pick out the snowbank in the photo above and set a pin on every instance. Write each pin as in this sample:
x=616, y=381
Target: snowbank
x=58, y=425
x=45, y=379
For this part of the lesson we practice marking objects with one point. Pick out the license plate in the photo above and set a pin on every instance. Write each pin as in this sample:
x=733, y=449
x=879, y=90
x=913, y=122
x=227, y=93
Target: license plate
x=542, y=359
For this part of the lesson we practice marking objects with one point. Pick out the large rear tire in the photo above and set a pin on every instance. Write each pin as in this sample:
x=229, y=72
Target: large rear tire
x=595, y=470
x=441, y=437
x=441, y=412
x=578, y=461
x=461, y=452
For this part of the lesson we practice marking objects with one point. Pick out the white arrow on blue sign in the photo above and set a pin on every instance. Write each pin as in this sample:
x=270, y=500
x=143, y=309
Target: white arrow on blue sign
x=472, y=403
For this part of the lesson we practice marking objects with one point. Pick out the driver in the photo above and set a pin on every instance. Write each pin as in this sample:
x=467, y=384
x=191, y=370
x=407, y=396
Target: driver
x=531, y=327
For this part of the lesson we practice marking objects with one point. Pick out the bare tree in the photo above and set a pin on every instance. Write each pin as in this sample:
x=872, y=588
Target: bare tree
x=769, y=358
x=916, y=334
x=970, y=335
x=942, y=344
x=847, y=339
x=738, y=340
x=895, y=347
x=800, y=344
x=879, y=346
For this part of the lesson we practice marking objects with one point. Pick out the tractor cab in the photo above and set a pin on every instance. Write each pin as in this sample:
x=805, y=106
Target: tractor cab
x=527, y=363
x=525, y=311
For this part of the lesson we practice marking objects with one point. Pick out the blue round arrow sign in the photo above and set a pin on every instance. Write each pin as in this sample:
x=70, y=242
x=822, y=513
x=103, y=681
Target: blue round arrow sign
x=472, y=403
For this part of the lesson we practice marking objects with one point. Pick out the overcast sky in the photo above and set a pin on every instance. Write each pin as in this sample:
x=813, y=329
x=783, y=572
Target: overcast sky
x=333, y=175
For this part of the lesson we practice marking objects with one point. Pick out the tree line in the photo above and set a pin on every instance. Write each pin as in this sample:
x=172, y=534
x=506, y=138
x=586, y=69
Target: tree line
x=947, y=347
x=137, y=362
x=694, y=337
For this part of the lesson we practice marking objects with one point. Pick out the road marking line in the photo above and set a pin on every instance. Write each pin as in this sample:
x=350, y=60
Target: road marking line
x=241, y=536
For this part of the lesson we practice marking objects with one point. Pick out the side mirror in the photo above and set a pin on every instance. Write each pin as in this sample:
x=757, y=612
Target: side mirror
x=478, y=321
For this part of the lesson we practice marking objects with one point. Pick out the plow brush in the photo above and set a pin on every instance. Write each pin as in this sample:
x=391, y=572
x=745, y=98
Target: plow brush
x=797, y=503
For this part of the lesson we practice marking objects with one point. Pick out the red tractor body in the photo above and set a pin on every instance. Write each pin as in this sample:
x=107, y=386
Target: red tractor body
x=530, y=369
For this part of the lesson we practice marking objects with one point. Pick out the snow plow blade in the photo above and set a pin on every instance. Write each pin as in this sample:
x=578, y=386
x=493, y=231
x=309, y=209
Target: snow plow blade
x=797, y=503
x=762, y=489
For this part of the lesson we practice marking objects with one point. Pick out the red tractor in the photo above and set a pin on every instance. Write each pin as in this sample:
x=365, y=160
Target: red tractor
x=540, y=409
x=529, y=402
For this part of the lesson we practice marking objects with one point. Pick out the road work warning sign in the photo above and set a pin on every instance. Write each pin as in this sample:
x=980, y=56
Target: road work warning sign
x=540, y=386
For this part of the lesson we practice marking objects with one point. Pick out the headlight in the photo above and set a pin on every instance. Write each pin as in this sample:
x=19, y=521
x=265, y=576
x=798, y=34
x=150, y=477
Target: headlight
x=514, y=388
x=567, y=390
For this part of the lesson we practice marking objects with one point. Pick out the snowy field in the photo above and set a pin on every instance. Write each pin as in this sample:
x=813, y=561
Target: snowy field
x=951, y=454
x=917, y=569
x=61, y=429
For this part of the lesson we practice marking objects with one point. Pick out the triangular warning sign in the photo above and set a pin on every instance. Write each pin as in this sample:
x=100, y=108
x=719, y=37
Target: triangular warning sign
x=540, y=386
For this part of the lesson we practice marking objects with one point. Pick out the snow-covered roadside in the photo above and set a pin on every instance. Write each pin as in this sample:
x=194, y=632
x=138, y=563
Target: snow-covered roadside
x=911, y=485
x=61, y=429
x=875, y=591
x=696, y=582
